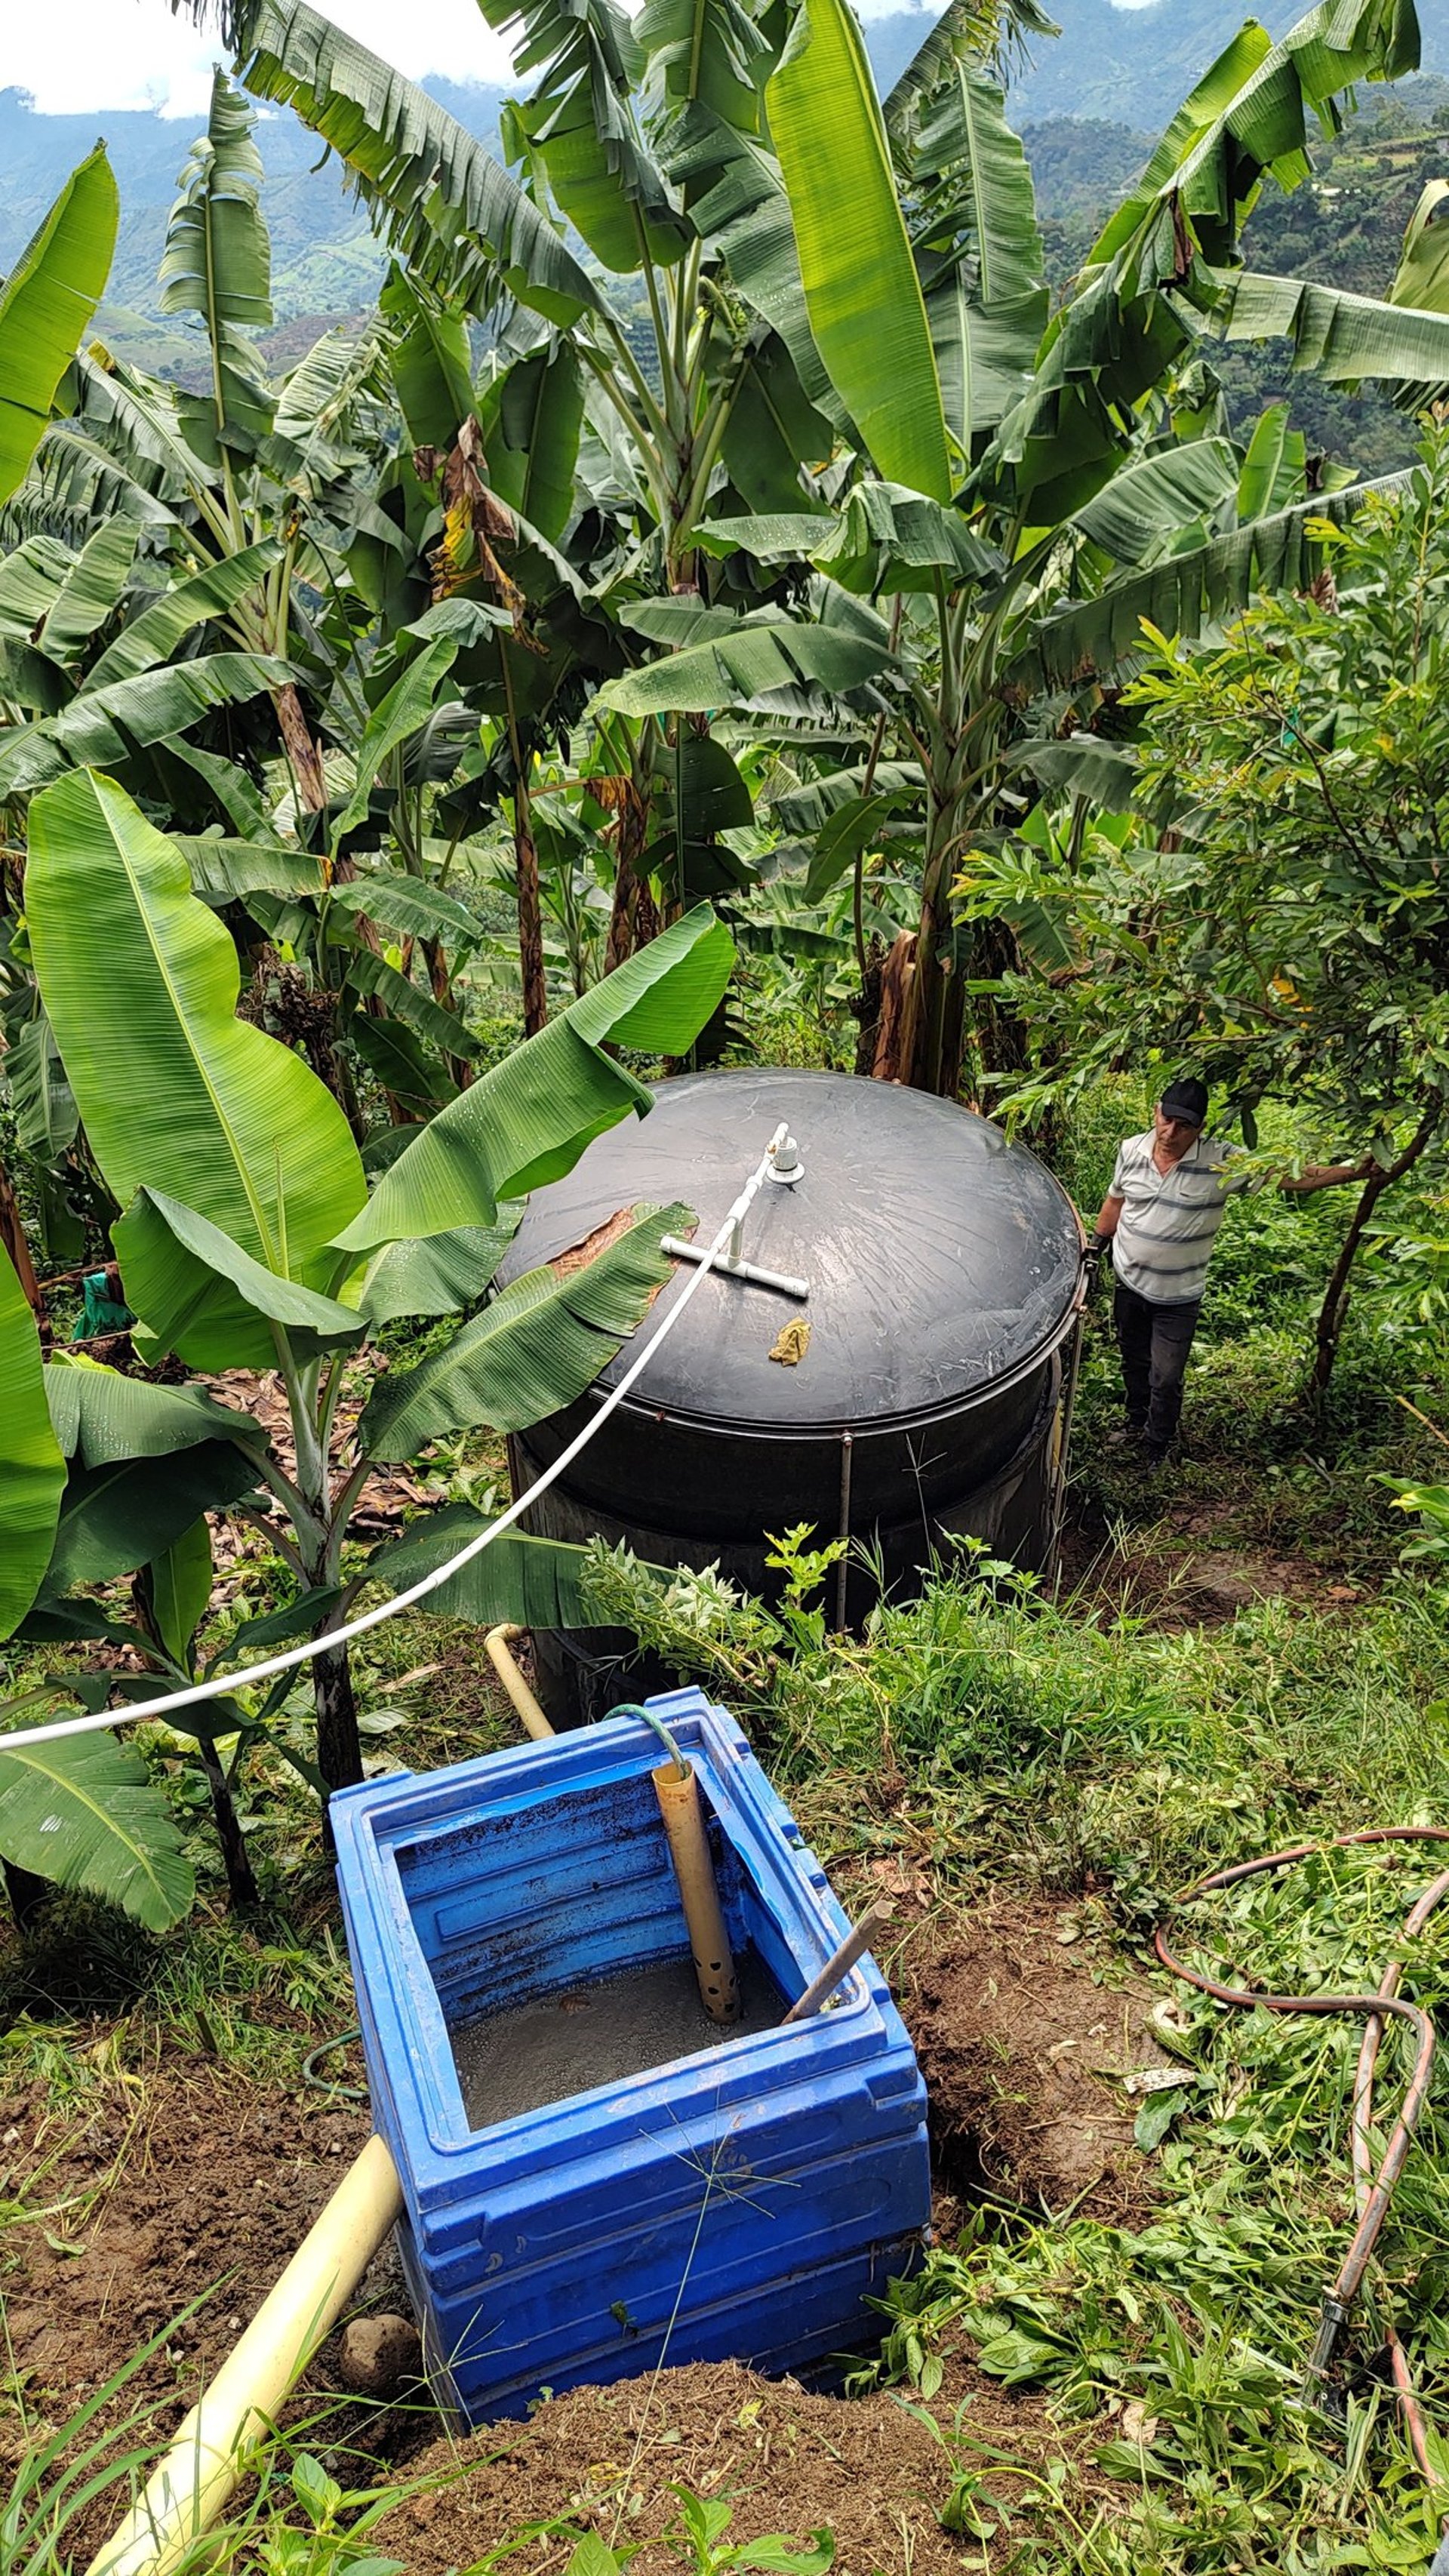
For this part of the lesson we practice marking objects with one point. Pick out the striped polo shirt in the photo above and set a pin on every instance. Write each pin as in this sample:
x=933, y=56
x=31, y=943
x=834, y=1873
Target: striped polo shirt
x=1164, y=1236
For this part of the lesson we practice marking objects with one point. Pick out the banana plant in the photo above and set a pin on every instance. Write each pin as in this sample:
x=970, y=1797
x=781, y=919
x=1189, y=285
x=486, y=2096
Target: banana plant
x=227, y=592
x=85, y=1814
x=236, y=491
x=248, y=1238
x=1091, y=485
x=46, y=304
x=706, y=360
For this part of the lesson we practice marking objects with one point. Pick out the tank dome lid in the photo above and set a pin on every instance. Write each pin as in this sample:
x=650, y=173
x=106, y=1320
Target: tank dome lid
x=940, y=1257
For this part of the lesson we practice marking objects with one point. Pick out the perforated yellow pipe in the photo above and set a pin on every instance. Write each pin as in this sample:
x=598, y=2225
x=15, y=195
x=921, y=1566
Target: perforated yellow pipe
x=709, y=1943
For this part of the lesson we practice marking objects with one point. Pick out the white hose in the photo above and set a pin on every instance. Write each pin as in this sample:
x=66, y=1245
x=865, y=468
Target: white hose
x=61, y=1728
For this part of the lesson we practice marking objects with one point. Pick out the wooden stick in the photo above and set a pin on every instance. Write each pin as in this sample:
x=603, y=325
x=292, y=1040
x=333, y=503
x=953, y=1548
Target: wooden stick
x=837, y=1965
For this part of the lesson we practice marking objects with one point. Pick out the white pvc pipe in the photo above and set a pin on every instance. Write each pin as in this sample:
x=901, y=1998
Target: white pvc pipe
x=183, y=2496
x=60, y=1728
x=730, y=1268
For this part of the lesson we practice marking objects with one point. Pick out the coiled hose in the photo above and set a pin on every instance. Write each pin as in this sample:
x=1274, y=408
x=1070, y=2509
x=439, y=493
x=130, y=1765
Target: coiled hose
x=1372, y=2190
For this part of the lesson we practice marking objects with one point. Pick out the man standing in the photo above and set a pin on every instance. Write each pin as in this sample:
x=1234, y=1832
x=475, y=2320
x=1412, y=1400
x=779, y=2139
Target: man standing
x=1161, y=1216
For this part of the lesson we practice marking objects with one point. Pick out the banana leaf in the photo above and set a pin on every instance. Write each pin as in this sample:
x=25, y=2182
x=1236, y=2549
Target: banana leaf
x=527, y=1120
x=537, y=1582
x=119, y=1516
x=102, y=727
x=206, y=1299
x=532, y=1350
x=178, y=1585
x=441, y=199
x=438, y=1275
x=84, y=1814
x=32, y=1469
x=46, y=305
x=754, y=658
x=154, y=635
x=862, y=291
x=100, y=1415
x=46, y=1119
x=91, y=589
x=175, y=1092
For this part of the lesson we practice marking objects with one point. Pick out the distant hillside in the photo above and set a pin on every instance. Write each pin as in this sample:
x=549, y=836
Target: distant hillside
x=1125, y=65
x=1344, y=226
x=325, y=261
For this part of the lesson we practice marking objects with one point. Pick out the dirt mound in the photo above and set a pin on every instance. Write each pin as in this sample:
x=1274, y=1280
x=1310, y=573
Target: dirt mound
x=163, y=2186
x=605, y=2459
x=1023, y=2051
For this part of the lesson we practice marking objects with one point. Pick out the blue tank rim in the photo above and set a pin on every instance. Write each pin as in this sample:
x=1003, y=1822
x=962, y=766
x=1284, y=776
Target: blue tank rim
x=416, y=2095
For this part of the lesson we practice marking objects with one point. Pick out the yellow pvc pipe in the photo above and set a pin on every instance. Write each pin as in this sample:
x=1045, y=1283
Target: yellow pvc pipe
x=208, y=2457
x=709, y=1943
x=495, y=1647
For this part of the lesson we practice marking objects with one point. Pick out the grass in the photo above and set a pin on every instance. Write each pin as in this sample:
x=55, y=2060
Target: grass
x=996, y=1739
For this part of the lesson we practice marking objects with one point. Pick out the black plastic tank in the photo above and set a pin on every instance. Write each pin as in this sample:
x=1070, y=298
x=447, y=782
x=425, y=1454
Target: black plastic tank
x=933, y=1397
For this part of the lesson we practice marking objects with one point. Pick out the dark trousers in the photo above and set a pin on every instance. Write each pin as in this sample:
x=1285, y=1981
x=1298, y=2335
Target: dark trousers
x=1154, y=1341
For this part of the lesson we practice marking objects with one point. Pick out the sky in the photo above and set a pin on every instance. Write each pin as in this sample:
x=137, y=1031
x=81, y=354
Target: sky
x=80, y=55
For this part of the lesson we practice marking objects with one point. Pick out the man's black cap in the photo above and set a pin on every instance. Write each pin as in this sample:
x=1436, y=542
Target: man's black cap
x=1186, y=1098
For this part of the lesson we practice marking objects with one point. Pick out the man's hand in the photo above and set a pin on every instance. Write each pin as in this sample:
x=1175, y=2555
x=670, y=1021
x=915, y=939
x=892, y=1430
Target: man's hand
x=1092, y=1251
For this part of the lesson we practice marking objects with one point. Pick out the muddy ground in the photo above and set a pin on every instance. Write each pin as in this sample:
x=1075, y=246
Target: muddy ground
x=165, y=2204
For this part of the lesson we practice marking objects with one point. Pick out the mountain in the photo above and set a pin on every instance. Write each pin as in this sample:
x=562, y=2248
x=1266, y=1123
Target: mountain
x=1121, y=64
x=1111, y=66
x=325, y=262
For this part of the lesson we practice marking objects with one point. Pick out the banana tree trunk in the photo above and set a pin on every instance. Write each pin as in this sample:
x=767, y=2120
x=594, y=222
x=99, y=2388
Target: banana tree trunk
x=634, y=920
x=13, y=1237
x=241, y=1882
x=934, y=1013
x=435, y=957
x=530, y=913
x=339, y=1745
x=303, y=757
x=897, y=976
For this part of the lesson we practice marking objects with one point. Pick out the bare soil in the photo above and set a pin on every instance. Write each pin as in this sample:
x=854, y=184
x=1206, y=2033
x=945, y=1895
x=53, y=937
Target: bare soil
x=870, y=2470
x=186, y=2184
x=162, y=2189
x=1024, y=2044
x=1186, y=1568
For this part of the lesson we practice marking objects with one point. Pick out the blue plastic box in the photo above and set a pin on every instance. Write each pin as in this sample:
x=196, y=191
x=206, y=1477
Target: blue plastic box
x=747, y=2203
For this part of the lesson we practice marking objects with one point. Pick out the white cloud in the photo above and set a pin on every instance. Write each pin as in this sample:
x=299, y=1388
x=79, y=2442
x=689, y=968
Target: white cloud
x=83, y=56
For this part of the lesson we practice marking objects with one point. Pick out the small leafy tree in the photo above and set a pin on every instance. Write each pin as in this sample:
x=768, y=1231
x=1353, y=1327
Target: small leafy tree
x=1279, y=915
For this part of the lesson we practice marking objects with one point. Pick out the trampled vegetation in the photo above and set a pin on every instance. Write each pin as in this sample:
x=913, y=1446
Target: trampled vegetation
x=723, y=606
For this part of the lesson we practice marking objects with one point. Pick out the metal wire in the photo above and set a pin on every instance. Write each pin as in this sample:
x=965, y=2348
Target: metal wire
x=327, y=2083
x=634, y=1708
